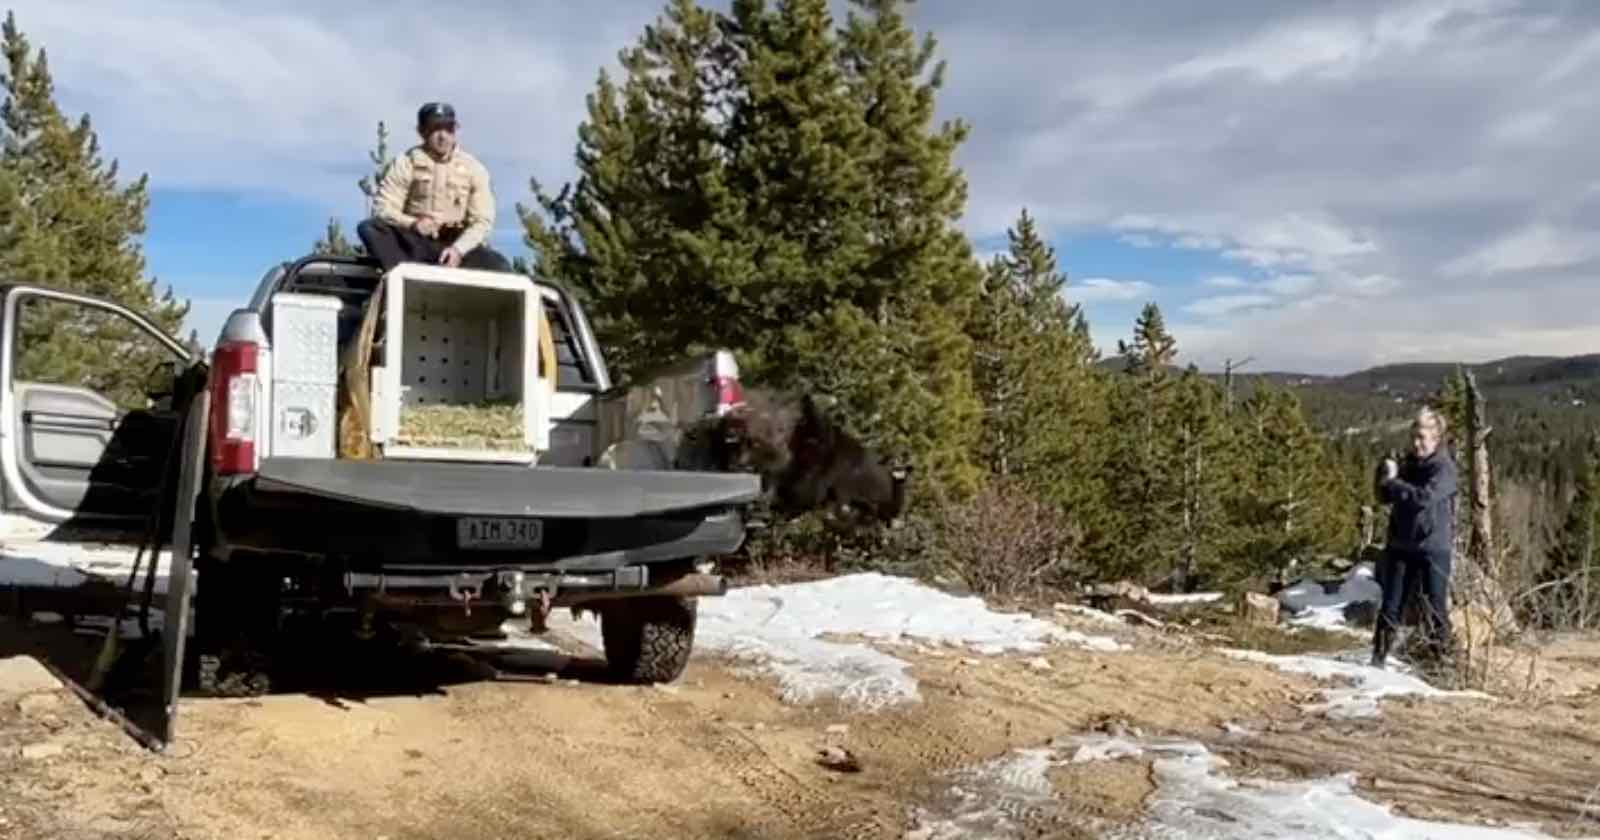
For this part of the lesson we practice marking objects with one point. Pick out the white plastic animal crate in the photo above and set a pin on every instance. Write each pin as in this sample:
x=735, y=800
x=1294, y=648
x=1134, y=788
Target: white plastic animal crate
x=305, y=375
x=459, y=337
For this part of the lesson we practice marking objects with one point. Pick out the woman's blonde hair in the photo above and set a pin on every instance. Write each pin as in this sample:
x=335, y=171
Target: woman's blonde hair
x=1428, y=418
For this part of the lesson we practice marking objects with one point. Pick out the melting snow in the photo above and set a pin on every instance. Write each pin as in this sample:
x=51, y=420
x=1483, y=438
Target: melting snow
x=1310, y=605
x=1192, y=800
x=1361, y=699
x=781, y=626
x=1161, y=599
x=779, y=630
x=1090, y=613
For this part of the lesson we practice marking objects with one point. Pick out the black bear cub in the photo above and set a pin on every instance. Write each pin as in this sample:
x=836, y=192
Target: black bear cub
x=806, y=461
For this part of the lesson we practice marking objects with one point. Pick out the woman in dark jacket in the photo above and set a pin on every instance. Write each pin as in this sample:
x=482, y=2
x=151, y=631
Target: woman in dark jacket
x=1421, y=492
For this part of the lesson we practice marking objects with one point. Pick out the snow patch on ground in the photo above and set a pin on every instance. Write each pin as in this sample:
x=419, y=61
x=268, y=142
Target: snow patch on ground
x=780, y=630
x=1329, y=619
x=1165, y=600
x=989, y=800
x=1090, y=613
x=1308, y=604
x=1368, y=684
x=1193, y=800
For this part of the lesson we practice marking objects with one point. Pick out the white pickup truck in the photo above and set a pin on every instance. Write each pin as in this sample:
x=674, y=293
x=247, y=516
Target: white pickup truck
x=422, y=544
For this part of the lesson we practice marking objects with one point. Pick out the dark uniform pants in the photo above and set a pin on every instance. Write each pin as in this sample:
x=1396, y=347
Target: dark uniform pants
x=1406, y=576
x=390, y=244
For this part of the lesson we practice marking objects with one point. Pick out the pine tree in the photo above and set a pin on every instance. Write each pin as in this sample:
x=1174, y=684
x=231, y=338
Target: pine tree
x=736, y=190
x=1203, y=449
x=1044, y=406
x=1290, y=499
x=1572, y=577
x=919, y=278
x=650, y=235
x=65, y=222
x=334, y=243
x=380, y=159
x=1143, y=481
x=1150, y=354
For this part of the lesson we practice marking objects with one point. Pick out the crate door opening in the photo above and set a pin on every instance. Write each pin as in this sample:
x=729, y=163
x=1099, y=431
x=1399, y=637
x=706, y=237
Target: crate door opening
x=467, y=387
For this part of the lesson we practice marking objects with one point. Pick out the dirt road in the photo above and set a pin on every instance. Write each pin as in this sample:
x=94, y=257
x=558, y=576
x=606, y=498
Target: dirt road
x=719, y=755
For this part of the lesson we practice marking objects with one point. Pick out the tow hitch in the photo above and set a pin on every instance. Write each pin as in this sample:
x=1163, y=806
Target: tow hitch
x=513, y=589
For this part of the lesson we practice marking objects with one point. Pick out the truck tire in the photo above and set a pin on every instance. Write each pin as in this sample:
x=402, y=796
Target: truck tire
x=234, y=631
x=648, y=640
x=233, y=674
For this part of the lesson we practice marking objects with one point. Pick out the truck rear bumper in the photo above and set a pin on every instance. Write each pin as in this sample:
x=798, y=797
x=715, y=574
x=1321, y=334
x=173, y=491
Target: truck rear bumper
x=396, y=517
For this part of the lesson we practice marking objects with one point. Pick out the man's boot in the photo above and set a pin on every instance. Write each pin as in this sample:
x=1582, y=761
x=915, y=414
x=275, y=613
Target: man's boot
x=1382, y=639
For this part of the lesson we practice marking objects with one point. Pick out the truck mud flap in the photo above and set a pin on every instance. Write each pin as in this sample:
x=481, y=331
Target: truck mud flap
x=180, y=580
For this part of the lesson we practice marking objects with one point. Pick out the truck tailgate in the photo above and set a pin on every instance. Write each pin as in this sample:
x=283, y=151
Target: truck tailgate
x=506, y=490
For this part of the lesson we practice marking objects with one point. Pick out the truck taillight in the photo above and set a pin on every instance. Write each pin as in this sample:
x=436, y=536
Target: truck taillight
x=730, y=394
x=235, y=389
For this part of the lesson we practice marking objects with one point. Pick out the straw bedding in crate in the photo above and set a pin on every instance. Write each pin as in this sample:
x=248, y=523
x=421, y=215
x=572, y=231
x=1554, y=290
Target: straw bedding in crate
x=487, y=425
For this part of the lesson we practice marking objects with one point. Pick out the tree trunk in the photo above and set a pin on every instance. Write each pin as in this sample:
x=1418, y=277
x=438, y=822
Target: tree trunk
x=1480, y=546
x=1584, y=595
x=1482, y=574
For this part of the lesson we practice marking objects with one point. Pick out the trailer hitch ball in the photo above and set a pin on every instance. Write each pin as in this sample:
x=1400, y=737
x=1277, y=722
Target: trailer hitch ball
x=512, y=585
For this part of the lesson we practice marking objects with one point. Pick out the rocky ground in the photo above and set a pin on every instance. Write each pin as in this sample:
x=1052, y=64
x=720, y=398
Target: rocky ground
x=1094, y=728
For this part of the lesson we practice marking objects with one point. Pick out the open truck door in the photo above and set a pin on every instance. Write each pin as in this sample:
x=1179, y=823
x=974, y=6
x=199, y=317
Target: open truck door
x=93, y=399
x=87, y=419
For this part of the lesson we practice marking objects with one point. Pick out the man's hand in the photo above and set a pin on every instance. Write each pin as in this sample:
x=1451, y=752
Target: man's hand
x=451, y=257
x=1390, y=470
x=427, y=226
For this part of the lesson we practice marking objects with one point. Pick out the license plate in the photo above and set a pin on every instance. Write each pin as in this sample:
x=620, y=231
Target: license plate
x=497, y=532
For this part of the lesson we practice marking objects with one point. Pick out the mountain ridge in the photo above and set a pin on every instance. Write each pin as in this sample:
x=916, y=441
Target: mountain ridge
x=1503, y=372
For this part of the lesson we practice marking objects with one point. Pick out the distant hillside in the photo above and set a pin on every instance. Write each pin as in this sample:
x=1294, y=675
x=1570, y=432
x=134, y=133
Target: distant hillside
x=1541, y=405
x=1411, y=377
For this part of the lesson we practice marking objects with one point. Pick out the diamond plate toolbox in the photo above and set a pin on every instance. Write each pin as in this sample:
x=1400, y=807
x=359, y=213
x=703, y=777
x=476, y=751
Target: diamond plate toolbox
x=305, y=374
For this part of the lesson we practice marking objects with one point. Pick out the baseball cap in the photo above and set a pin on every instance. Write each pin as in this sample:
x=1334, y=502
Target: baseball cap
x=436, y=112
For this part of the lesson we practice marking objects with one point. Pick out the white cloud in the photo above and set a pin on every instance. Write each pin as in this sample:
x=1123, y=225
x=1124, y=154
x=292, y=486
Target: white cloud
x=1226, y=304
x=1363, y=156
x=284, y=99
x=1225, y=281
x=1139, y=240
x=1360, y=155
x=1539, y=246
x=1105, y=289
x=1290, y=284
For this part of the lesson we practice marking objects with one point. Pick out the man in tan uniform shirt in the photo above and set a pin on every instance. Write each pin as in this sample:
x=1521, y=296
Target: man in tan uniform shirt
x=434, y=203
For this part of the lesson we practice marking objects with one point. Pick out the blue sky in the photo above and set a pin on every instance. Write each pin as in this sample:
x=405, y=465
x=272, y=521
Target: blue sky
x=1320, y=186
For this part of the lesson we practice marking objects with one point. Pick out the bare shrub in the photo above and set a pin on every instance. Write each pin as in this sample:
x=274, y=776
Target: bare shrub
x=1006, y=542
x=1003, y=543
x=1492, y=652
x=784, y=552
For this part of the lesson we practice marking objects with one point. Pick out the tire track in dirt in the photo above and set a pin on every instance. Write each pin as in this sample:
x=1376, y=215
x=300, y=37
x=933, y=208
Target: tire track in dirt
x=717, y=755
x=1451, y=760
